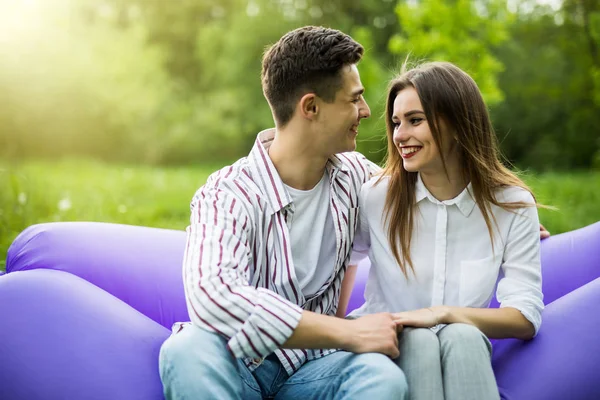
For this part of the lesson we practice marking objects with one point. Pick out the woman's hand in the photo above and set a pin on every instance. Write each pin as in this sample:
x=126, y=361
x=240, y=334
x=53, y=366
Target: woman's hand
x=422, y=318
x=544, y=232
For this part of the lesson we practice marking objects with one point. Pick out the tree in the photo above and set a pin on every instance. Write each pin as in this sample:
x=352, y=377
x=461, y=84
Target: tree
x=549, y=119
x=462, y=32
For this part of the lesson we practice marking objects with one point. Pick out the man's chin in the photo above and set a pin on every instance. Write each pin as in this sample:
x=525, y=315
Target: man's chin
x=350, y=147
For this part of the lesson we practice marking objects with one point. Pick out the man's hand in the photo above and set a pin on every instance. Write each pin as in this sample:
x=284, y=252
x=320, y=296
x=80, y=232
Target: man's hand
x=544, y=232
x=375, y=333
x=422, y=318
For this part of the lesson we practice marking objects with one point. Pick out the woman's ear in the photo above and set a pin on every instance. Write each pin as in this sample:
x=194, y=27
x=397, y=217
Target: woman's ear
x=308, y=106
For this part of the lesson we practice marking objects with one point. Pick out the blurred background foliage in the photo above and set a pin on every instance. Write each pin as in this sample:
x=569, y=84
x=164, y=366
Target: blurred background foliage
x=176, y=83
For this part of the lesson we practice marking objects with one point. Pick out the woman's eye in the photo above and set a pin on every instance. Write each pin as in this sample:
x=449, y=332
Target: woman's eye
x=415, y=120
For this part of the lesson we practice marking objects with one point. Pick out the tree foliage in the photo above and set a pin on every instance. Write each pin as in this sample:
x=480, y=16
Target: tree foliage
x=151, y=82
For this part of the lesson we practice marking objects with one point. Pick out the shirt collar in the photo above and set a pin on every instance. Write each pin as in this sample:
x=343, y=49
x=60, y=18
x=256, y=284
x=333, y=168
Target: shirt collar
x=464, y=201
x=269, y=181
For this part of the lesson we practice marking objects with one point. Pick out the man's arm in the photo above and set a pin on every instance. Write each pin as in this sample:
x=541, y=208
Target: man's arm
x=375, y=333
x=256, y=321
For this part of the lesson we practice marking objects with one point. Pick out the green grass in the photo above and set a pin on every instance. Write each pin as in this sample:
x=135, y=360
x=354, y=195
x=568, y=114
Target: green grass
x=83, y=190
x=576, y=196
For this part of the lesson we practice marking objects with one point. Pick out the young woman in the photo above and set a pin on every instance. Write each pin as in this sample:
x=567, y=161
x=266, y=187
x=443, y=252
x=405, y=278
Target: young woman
x=444, y=225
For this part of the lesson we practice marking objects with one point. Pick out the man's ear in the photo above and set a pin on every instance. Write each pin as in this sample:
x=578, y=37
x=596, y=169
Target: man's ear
x=309, y=106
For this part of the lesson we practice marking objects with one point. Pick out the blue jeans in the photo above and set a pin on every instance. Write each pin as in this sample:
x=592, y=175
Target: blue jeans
x=195, y=364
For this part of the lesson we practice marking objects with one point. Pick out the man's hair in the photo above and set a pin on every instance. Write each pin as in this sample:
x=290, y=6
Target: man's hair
x=306, y=60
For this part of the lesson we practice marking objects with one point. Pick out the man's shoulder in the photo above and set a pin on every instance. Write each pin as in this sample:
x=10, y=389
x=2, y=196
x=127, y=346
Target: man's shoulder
x=235, y=179
x=358, y=165
x=353, y=159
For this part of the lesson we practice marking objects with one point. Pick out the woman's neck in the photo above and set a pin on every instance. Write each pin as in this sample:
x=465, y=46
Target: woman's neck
x=444, y=187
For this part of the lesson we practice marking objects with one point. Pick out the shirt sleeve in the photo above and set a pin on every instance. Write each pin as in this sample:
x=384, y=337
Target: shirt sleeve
x=256, y=321
x=362, y=240
x=521, y=285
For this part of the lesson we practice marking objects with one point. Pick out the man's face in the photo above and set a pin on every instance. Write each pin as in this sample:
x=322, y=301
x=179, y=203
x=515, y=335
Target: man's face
x=338, y=121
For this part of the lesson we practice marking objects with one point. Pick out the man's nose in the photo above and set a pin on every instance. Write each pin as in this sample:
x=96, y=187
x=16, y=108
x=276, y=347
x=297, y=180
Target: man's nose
x=365, y=111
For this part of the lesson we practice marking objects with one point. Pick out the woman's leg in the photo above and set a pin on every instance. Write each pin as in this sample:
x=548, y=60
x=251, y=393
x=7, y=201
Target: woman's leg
x=420, y=361
x=466, y=364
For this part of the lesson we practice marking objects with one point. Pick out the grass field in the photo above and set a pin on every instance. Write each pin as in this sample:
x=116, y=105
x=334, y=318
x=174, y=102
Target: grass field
x=83, y=190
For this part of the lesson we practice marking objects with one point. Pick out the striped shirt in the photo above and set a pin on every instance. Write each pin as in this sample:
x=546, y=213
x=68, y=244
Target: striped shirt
x=238, y=270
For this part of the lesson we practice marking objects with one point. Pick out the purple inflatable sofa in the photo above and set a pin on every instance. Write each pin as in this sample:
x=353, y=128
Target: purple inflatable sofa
x=85, y=307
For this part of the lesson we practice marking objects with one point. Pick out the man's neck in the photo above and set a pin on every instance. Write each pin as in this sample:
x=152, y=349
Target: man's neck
x=297, y=163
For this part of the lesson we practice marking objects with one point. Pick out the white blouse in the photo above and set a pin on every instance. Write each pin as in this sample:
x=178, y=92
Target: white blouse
x=452, y=254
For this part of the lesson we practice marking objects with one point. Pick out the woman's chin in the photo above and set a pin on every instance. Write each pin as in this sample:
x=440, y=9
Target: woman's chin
x=410, y=167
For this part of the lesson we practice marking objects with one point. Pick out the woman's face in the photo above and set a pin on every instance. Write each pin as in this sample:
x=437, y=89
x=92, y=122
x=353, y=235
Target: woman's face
x=412, y=135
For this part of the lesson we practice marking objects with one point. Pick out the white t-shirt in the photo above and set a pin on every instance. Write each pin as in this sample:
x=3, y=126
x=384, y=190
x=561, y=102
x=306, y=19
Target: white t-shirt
x=312, y=236
x=452, y=254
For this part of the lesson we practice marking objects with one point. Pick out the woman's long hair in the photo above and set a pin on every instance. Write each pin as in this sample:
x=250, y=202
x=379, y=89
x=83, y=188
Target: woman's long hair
x=447, y=94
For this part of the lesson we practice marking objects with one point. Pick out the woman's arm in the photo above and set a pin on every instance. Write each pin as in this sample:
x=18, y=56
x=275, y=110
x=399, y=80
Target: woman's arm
x=498, y=323
x=519, y=291
x=360, y=250
x=346, y=291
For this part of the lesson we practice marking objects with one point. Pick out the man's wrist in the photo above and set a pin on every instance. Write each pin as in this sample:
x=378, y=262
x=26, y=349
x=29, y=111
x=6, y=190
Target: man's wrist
x=342, y=333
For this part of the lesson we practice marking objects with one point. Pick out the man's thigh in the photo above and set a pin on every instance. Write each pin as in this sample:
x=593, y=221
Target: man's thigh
x=196, y=362
x=345, y=375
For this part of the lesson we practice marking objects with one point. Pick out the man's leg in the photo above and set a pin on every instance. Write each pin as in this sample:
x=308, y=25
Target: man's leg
x=466, y=364
x=195, y=363
x=344, y=375
x=420, y=359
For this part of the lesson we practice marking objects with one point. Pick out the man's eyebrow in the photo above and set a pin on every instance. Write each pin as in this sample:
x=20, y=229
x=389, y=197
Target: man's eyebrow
x=358, y=92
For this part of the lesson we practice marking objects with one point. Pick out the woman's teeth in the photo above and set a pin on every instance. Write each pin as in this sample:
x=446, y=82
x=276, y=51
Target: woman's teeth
x=409, y=150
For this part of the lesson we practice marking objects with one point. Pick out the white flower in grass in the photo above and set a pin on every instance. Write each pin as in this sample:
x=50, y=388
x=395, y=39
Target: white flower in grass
x=22, y=198
x=64, y=204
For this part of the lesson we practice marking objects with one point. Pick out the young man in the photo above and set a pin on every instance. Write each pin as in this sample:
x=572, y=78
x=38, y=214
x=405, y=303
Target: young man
x=269, y=242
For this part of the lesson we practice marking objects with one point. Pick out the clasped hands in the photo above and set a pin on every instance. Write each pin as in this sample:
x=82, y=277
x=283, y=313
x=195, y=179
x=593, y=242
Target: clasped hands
x=379, y=332
x=421, y=318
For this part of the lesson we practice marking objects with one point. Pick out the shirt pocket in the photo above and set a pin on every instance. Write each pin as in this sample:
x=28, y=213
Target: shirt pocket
x=477, y=280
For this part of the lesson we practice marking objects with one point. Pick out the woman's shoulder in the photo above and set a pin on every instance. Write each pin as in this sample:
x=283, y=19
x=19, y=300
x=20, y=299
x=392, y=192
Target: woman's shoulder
x=374, y=188
x=514, y=194
x=373, y=192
